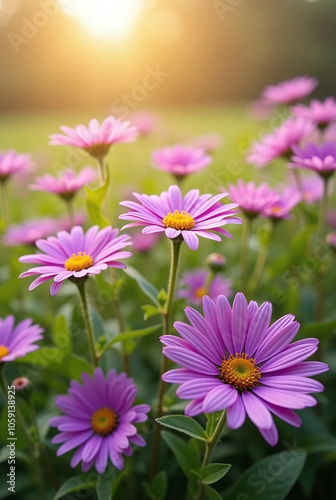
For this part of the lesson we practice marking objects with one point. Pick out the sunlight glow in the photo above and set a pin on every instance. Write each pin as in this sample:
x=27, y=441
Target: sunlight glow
x=104, y=18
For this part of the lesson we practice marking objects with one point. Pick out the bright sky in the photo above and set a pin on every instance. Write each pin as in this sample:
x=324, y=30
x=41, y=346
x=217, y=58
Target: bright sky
x=104, y=18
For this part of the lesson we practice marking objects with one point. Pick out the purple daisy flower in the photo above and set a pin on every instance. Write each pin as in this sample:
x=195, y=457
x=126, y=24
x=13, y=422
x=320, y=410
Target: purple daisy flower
x=287, y=200
x=76, y=255
x=233, y=359
x=29, y=231
x=17, y=341
x=99, y=419
x=289, y=91
x=320, y=113
x=12, y=163
x=195, y=286
x=67, y=184
x=321, y=159
x=252, y=199
x=188, y=218
x=180, y=160
x=280, y=143
x=311, y=188
x=97, y=138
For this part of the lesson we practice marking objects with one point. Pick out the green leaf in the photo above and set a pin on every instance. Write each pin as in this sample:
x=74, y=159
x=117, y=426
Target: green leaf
x=44, y=356
x=184, y=424
x=133, y=334
x=74, y=365
x=271, y=478
x=319, y=444
x=73, y=484
x=60, y=334
x=150, y=311
x=184, y=454
x=212, y=494
x=212, y=473
x=94, y=202
x=156, y=490
x=103, y=487
x=162, y=297
x=321, y=329
x=147, y=287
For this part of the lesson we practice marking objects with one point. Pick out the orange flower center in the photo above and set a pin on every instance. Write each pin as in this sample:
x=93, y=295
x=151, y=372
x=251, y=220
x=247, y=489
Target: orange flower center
x=3, y=351
x=104, y=421
x=240, y=371
x=200, y=292
x=179, y=220
x=78, y=261
x=275, y=210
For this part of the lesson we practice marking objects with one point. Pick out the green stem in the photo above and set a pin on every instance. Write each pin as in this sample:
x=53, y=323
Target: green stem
x=101, y=170
x=208, y=281
x=244, y=252
x=35, y=465
x=70, y=211
x=121, y=327
x=323, y=209
x=42, y=452
x=89, y=331
x=4, y=202
x=209, y=448
x=260, y=263
x=166, y=315
x=320, y=232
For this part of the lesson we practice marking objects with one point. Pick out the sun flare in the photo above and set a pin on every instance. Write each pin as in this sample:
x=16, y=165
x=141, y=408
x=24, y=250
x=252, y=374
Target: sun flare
x=104, y=18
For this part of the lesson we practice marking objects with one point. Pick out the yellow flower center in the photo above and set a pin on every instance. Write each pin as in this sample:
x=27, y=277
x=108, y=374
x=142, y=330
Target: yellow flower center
x=179, y=220
x=104, y=421
x=240, y=371
x=3, y=351
x=200, y=292
x=78, y=261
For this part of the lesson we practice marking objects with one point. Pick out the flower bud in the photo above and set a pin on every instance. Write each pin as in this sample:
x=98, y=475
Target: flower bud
x=216, y=262
x=23, y=386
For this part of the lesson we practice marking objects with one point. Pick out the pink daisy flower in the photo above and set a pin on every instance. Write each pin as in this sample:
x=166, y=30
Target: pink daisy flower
x=180, y=160
x=12, y=163
x=17, y=341
x=209, y=142
x=280, y=142
x=320, y=159
x=289, y=91
x=331, y=240
x=76, y=255
x=79, y=220
x=194, y=286
x=146, y=122
x=96, y=139
x=281, y=209
x=252, y=199
x=187, y=218
x=320, y=113
x=66, y=184
x=98, y=420
x=144, y=242
x=29, y=231
x=232, y=358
